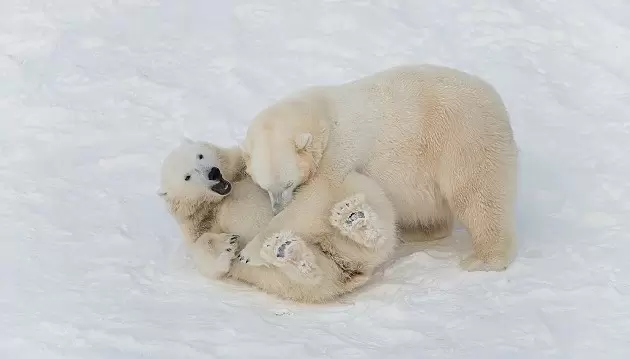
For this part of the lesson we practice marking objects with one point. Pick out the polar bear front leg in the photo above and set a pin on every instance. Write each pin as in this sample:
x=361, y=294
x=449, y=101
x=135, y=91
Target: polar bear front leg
x=213, y=253
x=251, y=253
x=355, y=219
x=289, y=252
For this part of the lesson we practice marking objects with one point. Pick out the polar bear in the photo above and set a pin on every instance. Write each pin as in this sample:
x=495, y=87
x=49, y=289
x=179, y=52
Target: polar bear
x=219, y=208
x=437, y=140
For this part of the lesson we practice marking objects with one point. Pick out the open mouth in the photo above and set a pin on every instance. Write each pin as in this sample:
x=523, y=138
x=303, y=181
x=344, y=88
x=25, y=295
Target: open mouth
x=223, y=187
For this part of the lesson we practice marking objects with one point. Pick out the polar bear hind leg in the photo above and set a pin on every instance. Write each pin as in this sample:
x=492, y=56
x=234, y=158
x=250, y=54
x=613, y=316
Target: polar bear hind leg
x=485, y=208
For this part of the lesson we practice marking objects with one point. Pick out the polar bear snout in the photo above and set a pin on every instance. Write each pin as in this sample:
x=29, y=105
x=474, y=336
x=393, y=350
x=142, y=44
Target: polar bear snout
x=280, y=199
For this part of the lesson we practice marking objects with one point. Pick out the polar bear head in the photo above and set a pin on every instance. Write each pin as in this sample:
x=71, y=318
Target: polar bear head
x=194, y=172
x=283, y=147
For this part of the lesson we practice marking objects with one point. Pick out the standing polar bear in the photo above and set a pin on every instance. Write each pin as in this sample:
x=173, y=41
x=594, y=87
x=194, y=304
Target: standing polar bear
x=437, y=140
x=219, y=208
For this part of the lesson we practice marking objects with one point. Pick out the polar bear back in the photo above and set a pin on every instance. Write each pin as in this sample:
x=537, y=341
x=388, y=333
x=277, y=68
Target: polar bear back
x=425, y=107
x=415, y=129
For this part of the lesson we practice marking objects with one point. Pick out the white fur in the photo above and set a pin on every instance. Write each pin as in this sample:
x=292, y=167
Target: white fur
x=437, y=140
x=332, y=259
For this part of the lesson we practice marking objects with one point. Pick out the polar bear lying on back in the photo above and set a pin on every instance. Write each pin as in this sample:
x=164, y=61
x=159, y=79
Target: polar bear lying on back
x=437, y=140
x=219, y=208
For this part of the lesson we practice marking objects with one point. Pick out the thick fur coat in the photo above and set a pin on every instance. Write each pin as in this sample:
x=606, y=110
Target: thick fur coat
x=437, y=140
x=219, y=209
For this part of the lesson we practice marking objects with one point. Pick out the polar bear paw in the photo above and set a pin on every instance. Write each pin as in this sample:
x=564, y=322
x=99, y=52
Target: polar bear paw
x=355, y=219
x=495, y=263
x=288, y=251
x=251, y=254
x=213, y=253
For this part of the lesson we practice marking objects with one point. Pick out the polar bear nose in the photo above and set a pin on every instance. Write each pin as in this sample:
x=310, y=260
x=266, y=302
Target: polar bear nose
x=214, y=174
x=280, y=199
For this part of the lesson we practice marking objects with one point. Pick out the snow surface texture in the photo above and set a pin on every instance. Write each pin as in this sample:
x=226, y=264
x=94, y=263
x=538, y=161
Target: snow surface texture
x=93, y=94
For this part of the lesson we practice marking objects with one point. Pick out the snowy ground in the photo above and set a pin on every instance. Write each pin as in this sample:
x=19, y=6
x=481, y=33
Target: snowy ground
x=94, y=93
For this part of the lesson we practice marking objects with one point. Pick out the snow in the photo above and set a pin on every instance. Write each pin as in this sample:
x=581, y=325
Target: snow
x=93, y=94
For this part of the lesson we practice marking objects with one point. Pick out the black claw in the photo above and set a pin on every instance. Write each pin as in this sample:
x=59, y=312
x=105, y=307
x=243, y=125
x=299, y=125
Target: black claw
x=247, y=261
x=228, y=250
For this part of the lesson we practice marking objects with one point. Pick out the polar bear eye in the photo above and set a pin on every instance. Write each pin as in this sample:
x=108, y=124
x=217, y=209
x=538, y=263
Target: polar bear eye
x=200, y=156
x=187, y=178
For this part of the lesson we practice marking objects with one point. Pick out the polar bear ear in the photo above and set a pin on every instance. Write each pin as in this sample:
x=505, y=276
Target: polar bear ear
x=303, y=140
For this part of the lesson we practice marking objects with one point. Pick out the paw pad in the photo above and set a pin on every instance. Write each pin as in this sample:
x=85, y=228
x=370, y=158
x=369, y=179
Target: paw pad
x=355, y=216
x=280, y=253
